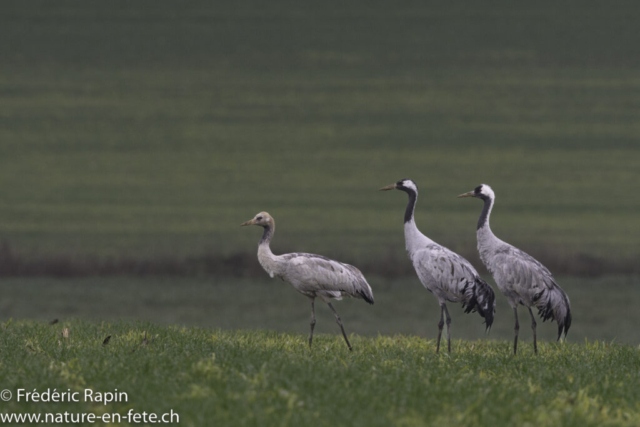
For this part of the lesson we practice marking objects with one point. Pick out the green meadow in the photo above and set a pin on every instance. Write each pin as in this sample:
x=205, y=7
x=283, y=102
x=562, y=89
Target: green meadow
x=147, y=130
x=135, y=137
x=603, y=308
x=250, y=378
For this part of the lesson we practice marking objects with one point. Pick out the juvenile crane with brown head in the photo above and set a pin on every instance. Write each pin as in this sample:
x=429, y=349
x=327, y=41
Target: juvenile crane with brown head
x=311, y=275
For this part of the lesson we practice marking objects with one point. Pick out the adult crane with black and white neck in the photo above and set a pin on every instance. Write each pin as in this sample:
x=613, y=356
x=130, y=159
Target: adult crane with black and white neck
x=520, y=277
x=311, y=275
x=449, y=276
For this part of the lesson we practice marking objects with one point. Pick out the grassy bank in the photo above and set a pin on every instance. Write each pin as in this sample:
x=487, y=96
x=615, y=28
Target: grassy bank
x=266, y=378
x=603, y=308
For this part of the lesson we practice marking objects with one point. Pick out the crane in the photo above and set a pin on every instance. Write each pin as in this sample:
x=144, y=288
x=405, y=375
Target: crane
x=311, y=275
x=450, y=277
x=520, y=277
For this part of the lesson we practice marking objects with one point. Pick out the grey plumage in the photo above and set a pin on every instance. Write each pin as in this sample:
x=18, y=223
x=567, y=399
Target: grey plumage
x=311, y=275
x=316, y=275
x=450, y=277
x=520, y=277
x=529, y=283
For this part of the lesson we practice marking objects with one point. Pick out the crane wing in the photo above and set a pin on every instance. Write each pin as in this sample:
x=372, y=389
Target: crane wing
x=446, y=269
x=455, y=277
x=521, y=270
x=535, y=284
x=311, y=273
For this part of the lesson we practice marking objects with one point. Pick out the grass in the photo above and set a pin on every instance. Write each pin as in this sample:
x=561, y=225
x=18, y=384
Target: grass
x=265, y=378
x=604, y=309
x=135, y=138
x=154, y=130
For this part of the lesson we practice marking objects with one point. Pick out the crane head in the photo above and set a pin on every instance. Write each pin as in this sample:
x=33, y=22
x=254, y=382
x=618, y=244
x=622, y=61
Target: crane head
x=402, y=185
x=482, y=191
x=263, y=219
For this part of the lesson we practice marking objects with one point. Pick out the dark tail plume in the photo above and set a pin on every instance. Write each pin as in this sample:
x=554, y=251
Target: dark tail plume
x=553, y=304
x=479, y=296
x=367, y=296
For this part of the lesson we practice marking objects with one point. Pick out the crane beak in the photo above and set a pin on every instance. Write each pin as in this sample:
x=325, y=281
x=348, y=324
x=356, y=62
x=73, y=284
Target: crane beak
x=250, y=222
x=388, y=187
x=469, y=194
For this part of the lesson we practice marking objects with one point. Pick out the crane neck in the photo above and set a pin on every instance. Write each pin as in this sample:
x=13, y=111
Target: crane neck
x=411, y=206
x=488, y=243
x=267, y=235
x=413, y=238
x=483, y=221
x=267, y=259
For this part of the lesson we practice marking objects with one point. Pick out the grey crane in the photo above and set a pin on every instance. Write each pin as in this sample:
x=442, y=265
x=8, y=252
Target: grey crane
x=311, y=275
x=520, y=277
x=450, y=277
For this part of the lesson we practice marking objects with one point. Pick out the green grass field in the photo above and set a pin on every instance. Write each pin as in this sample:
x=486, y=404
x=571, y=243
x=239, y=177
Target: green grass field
x=152, y=130
x=243, y=378
x=604, y=309
x=135, y=137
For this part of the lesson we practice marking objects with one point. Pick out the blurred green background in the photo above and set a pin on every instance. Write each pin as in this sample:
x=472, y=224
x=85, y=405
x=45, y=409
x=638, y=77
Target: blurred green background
x=146, y=132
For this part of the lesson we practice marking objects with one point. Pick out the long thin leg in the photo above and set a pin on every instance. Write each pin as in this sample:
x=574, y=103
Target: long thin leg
x=516, y=329
x=533, y=326
x=440, y=325
x=340, y=323
x=446, y=312
x=313, y=321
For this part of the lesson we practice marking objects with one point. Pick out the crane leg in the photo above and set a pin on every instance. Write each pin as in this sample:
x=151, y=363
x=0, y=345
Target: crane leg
x=516, y=329
x=341, y=327
x=533, y=326
x=440, y=325
x=313, y=321
x=446, y=312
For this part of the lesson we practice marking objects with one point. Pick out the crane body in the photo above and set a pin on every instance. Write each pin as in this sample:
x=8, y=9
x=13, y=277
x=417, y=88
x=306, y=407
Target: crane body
x=314, y=276
x=519, y=276
x=449, y=276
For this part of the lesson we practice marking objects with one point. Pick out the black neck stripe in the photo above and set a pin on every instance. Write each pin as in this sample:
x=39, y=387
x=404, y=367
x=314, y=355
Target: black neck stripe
x=484, y=216
x=408, y=214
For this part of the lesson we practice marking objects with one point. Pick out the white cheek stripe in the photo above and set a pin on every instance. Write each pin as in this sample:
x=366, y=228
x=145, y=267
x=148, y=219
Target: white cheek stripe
x=409, y=184
x=487, y=191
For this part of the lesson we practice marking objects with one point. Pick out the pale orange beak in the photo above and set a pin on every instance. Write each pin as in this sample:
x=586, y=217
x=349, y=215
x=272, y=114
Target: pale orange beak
x=469, y=194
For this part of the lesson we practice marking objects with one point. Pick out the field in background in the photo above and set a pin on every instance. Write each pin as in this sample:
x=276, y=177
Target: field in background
x=603, y=309
x=149, y=132
x=135, y=137
x=211, y=377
